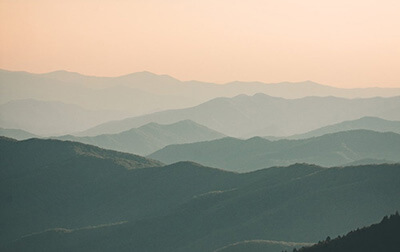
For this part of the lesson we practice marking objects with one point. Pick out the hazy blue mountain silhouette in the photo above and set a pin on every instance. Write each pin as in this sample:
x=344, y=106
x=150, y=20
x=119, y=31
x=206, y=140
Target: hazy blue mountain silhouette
x=247, y=155
x=50, y=117
x=299, y=203
x=262, y=115
x=16, y=134
x=151, y=83
x=367, y=123
x=144, y=92
x=94, y=93
x=150, y=137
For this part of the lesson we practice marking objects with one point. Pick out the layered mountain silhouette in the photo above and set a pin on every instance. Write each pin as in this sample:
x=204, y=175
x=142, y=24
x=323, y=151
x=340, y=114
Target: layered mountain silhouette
x=17, y=85
x=241, y=166
x=262, y=115
x=150, y=137
x=144, y=92
x=367, y=123
x=181, y=207
x=328, y=150
x=89, y=92
x=51, y=118
x=16, y=134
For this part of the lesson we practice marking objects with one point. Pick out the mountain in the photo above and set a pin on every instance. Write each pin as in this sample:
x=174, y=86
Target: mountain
x=199, y=91
x=144, y=92
x=50, y=183
x=262, y=115
x=51, y=118
x=247, y=155
x=150, y=137
x=367, y=123
x=16, y=134
x=299, y=203
x=93, y=93
x=383, y=236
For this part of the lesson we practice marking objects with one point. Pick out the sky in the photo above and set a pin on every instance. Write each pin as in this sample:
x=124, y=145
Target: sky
x=342, y=43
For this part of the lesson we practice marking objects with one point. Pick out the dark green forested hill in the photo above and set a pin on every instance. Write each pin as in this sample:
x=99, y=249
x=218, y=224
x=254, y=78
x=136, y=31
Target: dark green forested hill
x=188, y=207
x=384, y=236
x=49, y=183
x=247, y=155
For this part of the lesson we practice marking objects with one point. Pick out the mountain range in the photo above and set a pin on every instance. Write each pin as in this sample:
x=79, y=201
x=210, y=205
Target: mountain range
x=165, y=85
x=116, y=98
x=262, y=115
x=234, y=167
x=93, y=93
x=255, y=153
x=150, y=137
x=67, y=196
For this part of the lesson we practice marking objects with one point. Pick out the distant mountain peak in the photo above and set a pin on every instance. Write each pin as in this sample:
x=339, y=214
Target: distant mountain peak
x=149, y=76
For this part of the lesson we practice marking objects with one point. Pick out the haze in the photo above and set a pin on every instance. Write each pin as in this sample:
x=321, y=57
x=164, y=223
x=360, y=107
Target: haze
x=338, y=43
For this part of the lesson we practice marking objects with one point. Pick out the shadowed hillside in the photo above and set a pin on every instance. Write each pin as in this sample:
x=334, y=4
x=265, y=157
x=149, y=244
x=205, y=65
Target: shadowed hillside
x=246, y=155
x=47, y=183
x=297, y=203
x=383, y=236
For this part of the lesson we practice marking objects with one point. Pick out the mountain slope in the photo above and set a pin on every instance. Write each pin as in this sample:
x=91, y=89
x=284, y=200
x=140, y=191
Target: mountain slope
x=16, y=134
x=49, y=183
x=299, y=203
x=261, y=115
x=51, y=118
x=383, y=236
x=255, y=153
x=150, y=137
x=367, y=123
x=261, y=246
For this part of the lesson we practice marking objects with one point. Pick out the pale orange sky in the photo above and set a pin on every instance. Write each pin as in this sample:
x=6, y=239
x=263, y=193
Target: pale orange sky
x=344, y=43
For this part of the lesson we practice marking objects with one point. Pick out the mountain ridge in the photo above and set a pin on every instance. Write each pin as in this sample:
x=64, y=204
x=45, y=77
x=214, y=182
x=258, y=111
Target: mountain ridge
x=246, y=116
x=333, y=149
x=284, y=197
x=143, y=93
x=150, y=137
x=367, y=123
